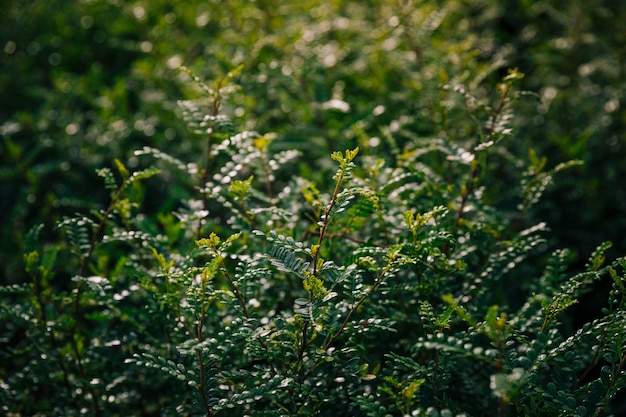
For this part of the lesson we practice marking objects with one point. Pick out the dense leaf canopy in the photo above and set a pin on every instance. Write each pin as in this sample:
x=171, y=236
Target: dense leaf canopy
x=328, y=207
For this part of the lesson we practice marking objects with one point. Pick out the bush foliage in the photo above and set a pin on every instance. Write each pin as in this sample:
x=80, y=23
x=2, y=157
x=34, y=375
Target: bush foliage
x=332, y=208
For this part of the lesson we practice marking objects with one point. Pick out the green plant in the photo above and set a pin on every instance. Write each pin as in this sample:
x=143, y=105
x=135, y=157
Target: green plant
x=386, y=293
x=231, y=272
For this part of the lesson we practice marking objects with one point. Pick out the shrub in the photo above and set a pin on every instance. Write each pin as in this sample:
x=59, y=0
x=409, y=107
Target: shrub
x=394, y=288
x=269, y=274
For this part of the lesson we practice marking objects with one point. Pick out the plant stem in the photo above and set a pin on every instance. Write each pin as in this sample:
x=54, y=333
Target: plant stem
x=614, y=377
x=346, y=320
x=434, y=379
x=326, y=221
x=84, y=262
x=268, y=176
x=215, y=110
x=238, y=294
x=44, y=319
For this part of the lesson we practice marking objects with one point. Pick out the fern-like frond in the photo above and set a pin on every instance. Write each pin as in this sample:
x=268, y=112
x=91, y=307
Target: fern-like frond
x=79, y=230
x=160, y=363
x=287, y=260
x=188, y=168
x=200, y=120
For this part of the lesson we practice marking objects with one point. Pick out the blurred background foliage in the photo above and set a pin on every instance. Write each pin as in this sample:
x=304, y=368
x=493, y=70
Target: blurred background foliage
x=88, y=81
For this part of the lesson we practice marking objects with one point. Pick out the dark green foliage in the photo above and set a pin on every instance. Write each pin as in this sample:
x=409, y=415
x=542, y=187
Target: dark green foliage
x=221, y=270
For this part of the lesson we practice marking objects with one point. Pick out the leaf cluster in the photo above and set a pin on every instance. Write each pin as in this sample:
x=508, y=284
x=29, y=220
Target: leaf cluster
x=274, y=275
